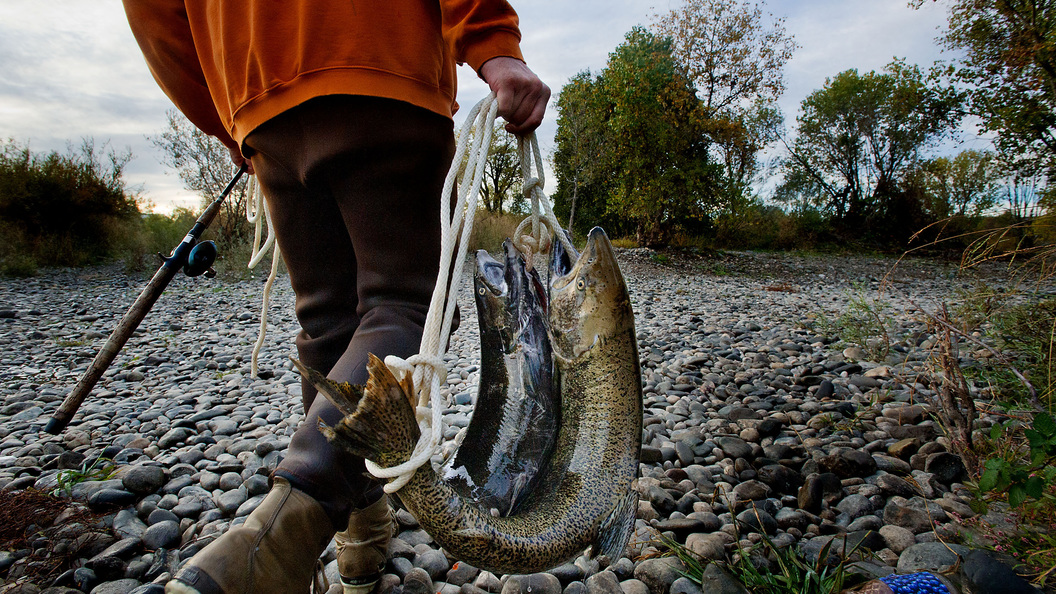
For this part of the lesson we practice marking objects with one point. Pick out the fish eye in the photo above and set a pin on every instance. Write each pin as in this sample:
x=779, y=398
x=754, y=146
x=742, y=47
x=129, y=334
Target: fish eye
x=481, y=291
x=581, y=284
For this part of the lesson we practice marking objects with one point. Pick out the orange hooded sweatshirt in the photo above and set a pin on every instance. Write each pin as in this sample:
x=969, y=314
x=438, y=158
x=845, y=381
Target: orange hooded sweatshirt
x=231, y=65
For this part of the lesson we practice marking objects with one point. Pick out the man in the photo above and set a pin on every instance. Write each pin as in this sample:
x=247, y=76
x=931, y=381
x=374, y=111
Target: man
x=343, y=110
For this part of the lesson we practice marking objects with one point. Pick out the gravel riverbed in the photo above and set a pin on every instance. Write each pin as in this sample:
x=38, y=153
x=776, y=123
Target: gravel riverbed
x=756, y=422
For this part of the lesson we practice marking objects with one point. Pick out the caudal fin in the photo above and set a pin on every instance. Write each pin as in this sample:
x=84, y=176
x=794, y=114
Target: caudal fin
x=616, y=529
x=382, y=426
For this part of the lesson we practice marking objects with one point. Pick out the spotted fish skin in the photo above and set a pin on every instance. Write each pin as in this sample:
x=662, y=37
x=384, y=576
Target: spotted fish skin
x=514, y=423
x=584, y=496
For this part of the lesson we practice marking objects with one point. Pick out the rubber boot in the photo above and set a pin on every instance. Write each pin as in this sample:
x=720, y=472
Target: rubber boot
x=362, y=548
x=274, y=552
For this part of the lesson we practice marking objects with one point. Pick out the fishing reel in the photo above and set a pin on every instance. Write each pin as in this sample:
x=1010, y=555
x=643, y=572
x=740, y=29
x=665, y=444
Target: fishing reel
x=200, y=260
x=200, y=256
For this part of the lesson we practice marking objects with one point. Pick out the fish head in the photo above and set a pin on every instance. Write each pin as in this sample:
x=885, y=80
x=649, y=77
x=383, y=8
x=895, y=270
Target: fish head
x=589, y=302
x=492, y=295
x=526, y=298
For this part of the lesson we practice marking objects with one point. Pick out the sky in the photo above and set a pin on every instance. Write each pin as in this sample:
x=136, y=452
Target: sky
x=70, y=69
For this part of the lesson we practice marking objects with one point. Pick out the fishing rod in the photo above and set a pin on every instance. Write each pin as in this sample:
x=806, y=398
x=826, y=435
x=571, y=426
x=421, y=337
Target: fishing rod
x=194, y=257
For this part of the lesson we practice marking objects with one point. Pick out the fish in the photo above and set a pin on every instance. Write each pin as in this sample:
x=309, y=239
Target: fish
x=585, y=496
x=514, y=423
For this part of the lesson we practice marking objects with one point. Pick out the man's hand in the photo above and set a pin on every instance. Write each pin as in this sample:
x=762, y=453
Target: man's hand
x=522, y=96
x=238, y=160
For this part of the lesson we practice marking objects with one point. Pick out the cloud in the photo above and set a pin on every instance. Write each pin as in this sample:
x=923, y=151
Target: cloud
x=71, y=68
x=837, y=35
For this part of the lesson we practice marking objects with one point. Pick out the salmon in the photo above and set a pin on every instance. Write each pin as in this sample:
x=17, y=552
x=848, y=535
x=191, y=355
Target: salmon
x=584, y=496
x=514, y=424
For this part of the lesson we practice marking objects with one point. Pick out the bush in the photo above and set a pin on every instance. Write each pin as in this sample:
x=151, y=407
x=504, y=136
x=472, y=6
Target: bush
x=62, y=209
x=154, y=234
x=491, y=229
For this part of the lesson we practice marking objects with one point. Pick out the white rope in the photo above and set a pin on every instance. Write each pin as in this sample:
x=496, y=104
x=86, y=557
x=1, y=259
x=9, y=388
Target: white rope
x=544, y=223
x=427, y=369
x=257, y=213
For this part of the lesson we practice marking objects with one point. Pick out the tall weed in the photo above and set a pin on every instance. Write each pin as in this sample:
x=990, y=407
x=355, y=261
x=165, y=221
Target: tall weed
x=491, y=229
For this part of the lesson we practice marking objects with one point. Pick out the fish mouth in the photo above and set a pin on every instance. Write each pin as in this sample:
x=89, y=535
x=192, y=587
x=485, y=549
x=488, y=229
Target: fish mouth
x=490, y=275
x=515, y=269
x=598, y=255
x=525, y=297
x=561, y=261
x=595, y=265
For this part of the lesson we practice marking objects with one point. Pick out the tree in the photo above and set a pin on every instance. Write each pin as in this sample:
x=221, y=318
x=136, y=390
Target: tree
x=965, y=185
x=738, y=142
x=204, y=166
x=859, y=135
x=1009, y=67
x=501, y=183
x=1024, y=194
x=731, y=55
x=579, y=140
x=651, y=170
x=735, y=57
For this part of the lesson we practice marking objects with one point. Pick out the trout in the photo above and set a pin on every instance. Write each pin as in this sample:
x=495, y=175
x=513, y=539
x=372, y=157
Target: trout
x=585, y=495
x=514, y=423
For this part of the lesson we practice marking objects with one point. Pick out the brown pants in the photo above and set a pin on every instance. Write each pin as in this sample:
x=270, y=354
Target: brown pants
x=353, y=187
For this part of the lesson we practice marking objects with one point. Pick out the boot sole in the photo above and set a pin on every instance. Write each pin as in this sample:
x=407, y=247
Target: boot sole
x=174, y=587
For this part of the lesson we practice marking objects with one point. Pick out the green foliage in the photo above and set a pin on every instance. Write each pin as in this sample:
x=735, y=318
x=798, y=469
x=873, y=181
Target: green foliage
x=1024, y=478
x=1023, y=334
x=661, y=259
x=865, y=323
x=858, y=136
x=795, y=573
x=1008, y=67
x=62, y=209
x=100, y=469
x=155, y=233
x=735, y=57
x=652, y=172
x=581, y=193
x=768, y=569
x=1018, y=466
x=965, y=185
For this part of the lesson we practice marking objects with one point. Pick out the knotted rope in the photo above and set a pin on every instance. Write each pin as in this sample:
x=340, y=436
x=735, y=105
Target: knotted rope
x=543, y=221
x=427, y=369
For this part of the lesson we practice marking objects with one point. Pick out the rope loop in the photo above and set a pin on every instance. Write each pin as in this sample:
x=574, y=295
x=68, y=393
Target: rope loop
x=544, y=223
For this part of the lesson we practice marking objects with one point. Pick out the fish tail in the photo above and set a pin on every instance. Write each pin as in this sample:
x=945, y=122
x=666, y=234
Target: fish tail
x=616, y=529
x=344, y=396
x=382, y=427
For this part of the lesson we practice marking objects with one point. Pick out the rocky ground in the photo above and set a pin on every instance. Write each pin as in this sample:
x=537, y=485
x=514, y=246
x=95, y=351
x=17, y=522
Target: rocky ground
x=756, y=422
